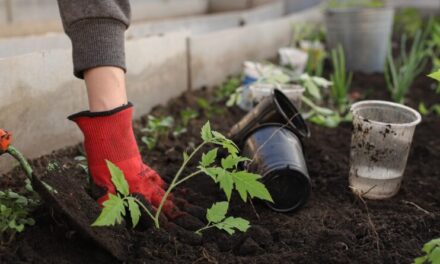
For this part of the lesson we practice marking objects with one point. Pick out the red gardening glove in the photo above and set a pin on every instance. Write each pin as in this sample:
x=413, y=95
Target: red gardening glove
x=109, y=136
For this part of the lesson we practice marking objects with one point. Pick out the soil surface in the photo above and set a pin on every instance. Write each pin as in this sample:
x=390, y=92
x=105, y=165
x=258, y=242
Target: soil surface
x=334, y=226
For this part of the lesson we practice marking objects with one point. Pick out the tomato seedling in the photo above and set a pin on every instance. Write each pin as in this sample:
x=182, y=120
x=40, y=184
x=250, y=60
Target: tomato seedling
x=227, y=174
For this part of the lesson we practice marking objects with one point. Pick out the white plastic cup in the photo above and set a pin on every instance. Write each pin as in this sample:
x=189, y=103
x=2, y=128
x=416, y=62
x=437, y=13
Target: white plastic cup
x=295, y=58
x=292, y=91
x=381, y=140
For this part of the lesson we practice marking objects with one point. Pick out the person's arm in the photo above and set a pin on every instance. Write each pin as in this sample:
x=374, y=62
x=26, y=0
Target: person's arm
x=96, y=29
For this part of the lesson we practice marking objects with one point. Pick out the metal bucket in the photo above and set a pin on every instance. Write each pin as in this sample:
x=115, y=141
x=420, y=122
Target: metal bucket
x=363, y=33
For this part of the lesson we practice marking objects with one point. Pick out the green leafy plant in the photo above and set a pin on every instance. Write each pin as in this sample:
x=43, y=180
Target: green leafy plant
x=432, y=253
x=340, y=79
x=15, y=211
x=216, y=216
x=400, y=72
x=187, y=115
x=355, y=4
x=209, y=110
x=157, y=128
x=433, y=46
x=408, y=21
x=226, y=174
x=309, y=37
x=316, y=93
x=315, y=61
x=435, y=75
x=307, y=32
x=227, y=88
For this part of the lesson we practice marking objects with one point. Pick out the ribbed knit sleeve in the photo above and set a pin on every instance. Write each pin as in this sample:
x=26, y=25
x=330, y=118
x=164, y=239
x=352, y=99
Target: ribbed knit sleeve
x=96, y=29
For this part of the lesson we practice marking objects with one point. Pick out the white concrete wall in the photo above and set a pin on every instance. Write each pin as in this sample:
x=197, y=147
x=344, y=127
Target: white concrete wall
x=264, y=12
x=10, y=47
x=38, y=91
x=157, y=70
x=228, y=5
x=3, y=16
x=193, y=24
x=293, y=6
x=215, y=56
x=155, y=9
x=40, y=16
x=34, y=10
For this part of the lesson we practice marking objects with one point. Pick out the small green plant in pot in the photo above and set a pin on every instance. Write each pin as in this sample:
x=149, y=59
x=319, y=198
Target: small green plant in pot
x=363, y=28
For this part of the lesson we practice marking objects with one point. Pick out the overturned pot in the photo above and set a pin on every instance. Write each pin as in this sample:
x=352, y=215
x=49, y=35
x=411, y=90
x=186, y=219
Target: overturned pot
x=276, y=154
x=364, y=34
x=276, y=108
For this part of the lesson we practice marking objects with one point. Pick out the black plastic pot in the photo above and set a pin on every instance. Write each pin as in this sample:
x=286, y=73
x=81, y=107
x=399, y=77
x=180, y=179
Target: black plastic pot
x=277, y=155
x=276, y=108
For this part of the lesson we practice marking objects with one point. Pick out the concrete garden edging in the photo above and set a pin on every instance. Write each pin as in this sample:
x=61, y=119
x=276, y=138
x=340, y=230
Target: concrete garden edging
x=40, y=16
x=10, y=47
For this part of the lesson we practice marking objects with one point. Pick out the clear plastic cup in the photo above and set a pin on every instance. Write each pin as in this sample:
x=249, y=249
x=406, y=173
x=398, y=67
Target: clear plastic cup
x=381, y=141
x=292, y=91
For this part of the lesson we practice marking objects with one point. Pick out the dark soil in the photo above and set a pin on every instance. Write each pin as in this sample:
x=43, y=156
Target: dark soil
x=333, y=227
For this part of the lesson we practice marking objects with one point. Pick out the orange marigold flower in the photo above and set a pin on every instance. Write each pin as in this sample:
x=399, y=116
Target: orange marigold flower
x=5, y=140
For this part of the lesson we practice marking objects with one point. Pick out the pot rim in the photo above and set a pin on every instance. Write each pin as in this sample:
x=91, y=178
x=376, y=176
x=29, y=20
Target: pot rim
x=365, y=103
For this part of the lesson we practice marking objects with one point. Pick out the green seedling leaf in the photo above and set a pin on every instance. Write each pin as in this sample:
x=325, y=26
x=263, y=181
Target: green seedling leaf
x=422, y=109
x=232, y=161
x=226, y=182
x=135, y=212
x=179, y=131
x=206, y=132
x=212, y=172
x=209, y=158
x=149, y=141
x=247, y=183
x=436, y=109
x=187, y=115
x=118, y=178
x=435, y=75
x=432, y=253
x=217, y=212
x=185, y=156
x=231, y=224
x=112, y=212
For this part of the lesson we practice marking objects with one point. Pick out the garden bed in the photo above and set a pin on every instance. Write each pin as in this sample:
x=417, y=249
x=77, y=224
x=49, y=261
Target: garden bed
x=334, y=226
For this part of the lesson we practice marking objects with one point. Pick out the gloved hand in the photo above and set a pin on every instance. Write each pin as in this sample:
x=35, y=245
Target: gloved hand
x=109, y=136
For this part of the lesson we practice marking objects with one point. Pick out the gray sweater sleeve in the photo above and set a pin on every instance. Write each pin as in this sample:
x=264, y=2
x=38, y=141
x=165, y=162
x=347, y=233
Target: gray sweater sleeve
x=96, y=29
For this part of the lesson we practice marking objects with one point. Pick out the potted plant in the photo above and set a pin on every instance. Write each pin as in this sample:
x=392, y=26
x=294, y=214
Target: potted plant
x=363, y=28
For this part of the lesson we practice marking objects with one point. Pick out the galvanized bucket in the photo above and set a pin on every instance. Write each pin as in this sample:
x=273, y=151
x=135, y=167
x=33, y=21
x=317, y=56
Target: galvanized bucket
x=363, y=33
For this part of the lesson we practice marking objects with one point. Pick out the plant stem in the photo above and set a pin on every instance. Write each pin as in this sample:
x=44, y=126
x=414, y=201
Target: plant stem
x=145, y=209
x=208, y=226
x=173, y=184
x=188, y=177
x=22, y=160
